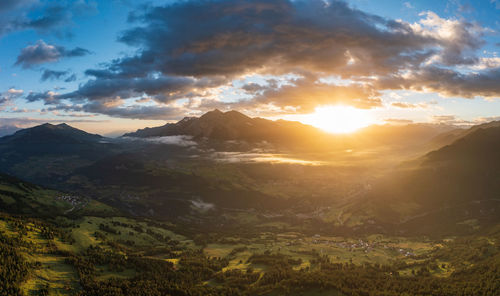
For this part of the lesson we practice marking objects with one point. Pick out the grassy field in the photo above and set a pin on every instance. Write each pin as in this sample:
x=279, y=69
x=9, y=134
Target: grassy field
x=60, y=277
x=51, y=271
x=371, y=249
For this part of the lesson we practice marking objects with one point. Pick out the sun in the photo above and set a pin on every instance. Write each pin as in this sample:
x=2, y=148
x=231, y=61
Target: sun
x=339, y=119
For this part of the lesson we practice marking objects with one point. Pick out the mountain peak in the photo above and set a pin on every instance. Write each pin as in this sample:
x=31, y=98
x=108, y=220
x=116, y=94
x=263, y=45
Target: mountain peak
x=216, y=111
x=232, y=125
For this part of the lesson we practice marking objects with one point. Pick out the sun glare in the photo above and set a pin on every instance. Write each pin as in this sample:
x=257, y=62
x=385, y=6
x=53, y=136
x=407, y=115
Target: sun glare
x=339, y=119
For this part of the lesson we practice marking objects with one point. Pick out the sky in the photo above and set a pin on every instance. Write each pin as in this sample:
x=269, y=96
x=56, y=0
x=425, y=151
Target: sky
x=113, y=66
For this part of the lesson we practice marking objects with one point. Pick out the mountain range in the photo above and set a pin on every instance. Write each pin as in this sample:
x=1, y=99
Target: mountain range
x=460, y=178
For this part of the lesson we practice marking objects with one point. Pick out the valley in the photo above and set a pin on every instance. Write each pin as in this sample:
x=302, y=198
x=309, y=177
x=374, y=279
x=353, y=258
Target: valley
x=205, y=216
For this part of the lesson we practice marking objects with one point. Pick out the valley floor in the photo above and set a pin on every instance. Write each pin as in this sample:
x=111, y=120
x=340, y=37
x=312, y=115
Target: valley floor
x=91, y=255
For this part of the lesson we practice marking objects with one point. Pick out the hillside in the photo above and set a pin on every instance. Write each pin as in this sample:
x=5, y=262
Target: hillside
x=459, y=182
x=43, y=153
x=18, y=197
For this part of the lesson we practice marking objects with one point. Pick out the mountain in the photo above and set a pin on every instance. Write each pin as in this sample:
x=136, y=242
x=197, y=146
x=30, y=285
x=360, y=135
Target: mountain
x=411, y=139
x=41, y=153
x=446, y=138
x=459, y=183
x=49, y=133
x=233, y=125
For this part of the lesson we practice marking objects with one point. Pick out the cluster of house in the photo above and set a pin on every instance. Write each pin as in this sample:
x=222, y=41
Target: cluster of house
x=365, y=246
x=72, y=199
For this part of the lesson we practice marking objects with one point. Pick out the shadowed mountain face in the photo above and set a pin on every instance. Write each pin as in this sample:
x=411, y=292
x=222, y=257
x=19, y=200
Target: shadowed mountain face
x=40, y=153
x=456, y=183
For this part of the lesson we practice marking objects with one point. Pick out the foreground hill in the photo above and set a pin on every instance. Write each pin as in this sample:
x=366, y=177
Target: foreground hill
x=457, y=186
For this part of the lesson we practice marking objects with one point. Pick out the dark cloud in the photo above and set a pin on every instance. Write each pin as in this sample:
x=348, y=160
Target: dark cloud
x=70, y=78
x=200, y=38
x=447, y=82
x=162, y=89
x=134, y=111
x=48, y=74
x=48, y=97
x=41, y=52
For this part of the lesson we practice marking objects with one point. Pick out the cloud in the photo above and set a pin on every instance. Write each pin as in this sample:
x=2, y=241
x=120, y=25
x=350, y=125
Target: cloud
x=235, y=37
x=306, y=93
x=454, y=120
x=180, y=140
x=47, y=17
x=9, y=95
x=41, y=52
x=450, y=120
x=57, y=75
x=398, y=121
x=458, y=39
x=114, y=109
x=15, y=92
x=447, y=82
x=408, y=5
x=406, y=105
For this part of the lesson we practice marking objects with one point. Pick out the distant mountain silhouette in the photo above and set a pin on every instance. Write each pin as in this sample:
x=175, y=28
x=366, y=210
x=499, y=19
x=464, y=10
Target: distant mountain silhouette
x=45, y=133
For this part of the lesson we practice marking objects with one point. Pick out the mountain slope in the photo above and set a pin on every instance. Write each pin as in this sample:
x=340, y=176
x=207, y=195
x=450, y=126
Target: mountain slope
x=42, y=153
x=19, y=197
x=459, y=182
